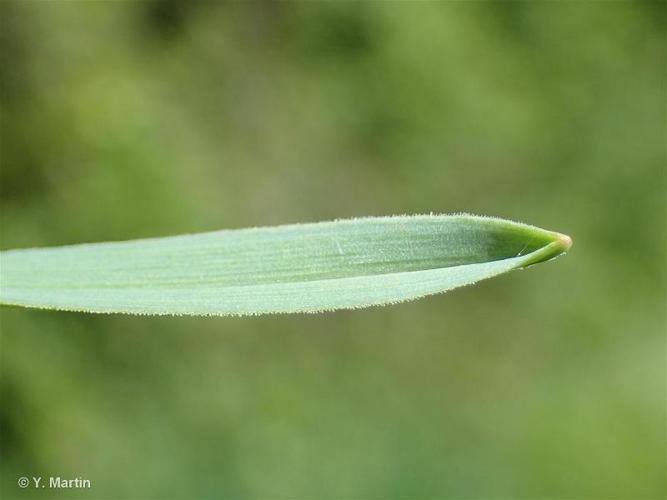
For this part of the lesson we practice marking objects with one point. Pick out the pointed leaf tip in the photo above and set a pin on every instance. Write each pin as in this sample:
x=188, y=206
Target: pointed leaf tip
x=565, y=241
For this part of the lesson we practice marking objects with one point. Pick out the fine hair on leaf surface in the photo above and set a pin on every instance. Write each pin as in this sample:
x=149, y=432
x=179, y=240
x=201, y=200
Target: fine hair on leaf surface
x=314, y=267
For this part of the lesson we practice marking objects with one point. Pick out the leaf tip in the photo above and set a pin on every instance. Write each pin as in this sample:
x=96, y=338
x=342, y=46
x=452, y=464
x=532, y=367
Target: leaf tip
x=564, y=240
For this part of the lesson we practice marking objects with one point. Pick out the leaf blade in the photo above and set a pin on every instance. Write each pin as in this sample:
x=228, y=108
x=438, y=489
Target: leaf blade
x=298, y=268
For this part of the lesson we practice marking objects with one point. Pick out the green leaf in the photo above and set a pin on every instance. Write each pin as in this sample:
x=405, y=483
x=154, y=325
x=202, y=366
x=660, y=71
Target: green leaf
x=295, y=268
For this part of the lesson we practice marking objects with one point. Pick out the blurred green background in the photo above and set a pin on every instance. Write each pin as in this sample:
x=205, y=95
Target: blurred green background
x=128, y=119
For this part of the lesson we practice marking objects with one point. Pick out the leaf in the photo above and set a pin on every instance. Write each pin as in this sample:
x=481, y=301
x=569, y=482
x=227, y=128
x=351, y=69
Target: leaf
x=343, y=264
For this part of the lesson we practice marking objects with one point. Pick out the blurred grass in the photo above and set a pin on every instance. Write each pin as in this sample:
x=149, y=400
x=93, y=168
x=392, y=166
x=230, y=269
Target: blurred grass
x=132, y=119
